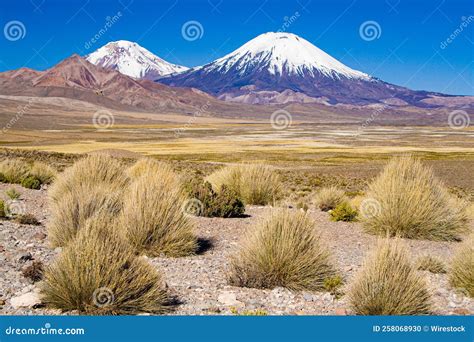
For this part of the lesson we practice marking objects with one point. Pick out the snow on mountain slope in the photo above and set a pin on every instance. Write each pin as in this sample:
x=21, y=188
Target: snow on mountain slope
x=132, y=60
x=284, y=53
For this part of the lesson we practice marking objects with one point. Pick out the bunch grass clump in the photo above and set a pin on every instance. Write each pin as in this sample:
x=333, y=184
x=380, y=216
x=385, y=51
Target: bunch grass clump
x=13, y=193
x=461, y=275
x=14, y=170
x=413, y=204
x=43, y=172
x=100, y=274
x=283, y=250
x=430, y=264
x=154, y=217
x=329, y=198
x=388, y=284
x=256, y=184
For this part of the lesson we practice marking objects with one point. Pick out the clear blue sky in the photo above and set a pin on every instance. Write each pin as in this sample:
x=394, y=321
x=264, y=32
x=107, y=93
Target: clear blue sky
x=407, y=51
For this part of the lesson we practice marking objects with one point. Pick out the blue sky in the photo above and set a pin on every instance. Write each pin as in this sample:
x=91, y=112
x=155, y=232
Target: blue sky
x=410, y=47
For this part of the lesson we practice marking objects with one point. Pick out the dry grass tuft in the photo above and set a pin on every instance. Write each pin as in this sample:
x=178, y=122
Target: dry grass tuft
x=329, y=198
x=256, y=184
x=78, y=204
x=413, y=204
x=462, y=267
x=91, y=170
x=43, y=172
x=430, y=264
x=388, y=284
x=282, y=250
x=14, y=170
x=99, y=274
x=154, y=218
x=148, y=165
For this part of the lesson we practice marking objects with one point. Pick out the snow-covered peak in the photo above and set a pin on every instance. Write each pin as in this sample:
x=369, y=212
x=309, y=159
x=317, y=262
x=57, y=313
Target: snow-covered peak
x=132, y=60
x=283, y=53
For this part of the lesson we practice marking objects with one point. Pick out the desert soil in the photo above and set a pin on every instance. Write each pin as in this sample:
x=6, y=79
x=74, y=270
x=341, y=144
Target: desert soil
x=199, y=282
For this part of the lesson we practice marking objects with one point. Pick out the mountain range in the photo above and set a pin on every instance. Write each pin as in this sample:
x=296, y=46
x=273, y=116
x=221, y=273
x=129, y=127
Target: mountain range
x=273, y=69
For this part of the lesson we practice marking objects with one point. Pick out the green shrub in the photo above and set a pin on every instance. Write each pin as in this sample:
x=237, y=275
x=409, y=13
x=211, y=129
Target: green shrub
x=31, y=182
x=3, y=209
x=13, y=194
x=388, y=284
x=333, y=284
x=283, y=250
x=343, y=212
x=224, y=203
x=408, y=201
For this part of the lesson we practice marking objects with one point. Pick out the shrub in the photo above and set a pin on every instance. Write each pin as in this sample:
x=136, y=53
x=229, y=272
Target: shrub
x=343, y=212
x=100, y=274
x=78, y=204
x=91, y=170
x=14, y=170
x=254, y=183
x=388, y=284
x=430, y=264
x=224, y=203
x=13, y=194
x=413, y=204
x=283, y=250
x=27, y=219
x=333, y=285
x=43, y=172
x=34, y=272
x=461, y=274
x=3, y=209
x=31, y=182
x=328, y=198
x=154, y=217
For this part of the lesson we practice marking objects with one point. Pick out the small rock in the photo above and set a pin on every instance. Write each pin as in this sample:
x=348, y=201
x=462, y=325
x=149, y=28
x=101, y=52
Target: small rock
x=2, y=302
x=228, y=298
x=2, y=249
x=307, y=297
x=30, y=299
x=340, y=312
x=26, y=257
x=40, y=236
x=462, y=311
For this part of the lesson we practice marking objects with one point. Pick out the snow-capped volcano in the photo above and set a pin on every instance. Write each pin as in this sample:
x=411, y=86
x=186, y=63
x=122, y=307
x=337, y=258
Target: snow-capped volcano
x=283, y=54
x=283, y=67
x=132, y=60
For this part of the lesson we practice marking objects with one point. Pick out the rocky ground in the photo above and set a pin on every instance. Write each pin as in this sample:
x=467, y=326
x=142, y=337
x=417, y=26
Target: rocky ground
x=199, y=282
